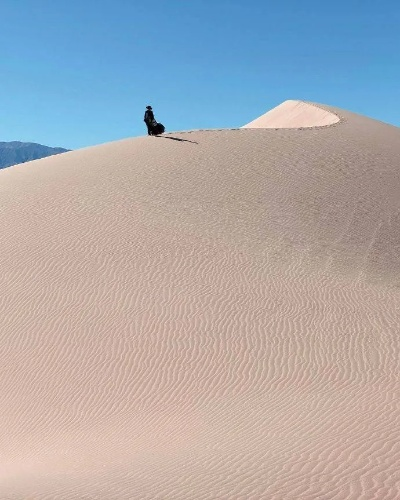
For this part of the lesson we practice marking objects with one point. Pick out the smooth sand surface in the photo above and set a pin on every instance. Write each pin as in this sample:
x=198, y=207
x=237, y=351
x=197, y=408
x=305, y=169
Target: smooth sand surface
x=295, y=114
x=206, y=315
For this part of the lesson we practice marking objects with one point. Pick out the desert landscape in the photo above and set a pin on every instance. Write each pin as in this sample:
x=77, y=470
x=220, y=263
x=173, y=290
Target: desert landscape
x=211, y=314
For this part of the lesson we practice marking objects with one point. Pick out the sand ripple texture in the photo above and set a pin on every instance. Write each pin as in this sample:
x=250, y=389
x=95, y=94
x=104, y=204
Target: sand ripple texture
x=204, y=315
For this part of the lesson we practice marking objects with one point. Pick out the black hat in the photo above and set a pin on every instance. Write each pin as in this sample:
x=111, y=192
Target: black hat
x=149, y=107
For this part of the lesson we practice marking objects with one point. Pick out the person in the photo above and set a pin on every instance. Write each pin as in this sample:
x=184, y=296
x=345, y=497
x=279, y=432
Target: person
x=149, y=119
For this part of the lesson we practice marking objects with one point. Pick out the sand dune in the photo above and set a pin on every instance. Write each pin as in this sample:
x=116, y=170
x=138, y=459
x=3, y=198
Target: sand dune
x=210, y=317
x=295, y=114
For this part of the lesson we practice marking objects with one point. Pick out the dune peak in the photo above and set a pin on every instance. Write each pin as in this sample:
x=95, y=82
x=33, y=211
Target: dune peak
x=295, y=114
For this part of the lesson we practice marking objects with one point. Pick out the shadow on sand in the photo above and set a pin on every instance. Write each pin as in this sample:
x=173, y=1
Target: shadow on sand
x=175, y=139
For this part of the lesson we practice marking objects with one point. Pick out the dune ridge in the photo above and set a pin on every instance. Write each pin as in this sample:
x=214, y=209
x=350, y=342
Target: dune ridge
x=296, y=114
x=207, y=319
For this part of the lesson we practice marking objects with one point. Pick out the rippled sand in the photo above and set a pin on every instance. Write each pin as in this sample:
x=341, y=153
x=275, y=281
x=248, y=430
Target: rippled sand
x=205, y=315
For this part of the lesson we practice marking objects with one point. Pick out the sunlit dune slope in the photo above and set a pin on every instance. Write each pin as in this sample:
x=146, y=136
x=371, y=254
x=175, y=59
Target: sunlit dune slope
x=295, y=114
x=204, y=315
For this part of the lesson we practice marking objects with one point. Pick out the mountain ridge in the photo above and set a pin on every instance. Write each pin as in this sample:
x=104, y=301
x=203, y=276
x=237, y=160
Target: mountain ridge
x=16, y=152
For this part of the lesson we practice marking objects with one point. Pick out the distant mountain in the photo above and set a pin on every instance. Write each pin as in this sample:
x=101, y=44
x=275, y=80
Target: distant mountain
x=12, y=153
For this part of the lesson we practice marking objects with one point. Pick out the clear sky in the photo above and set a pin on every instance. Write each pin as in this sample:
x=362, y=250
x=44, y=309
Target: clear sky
x=78, y=73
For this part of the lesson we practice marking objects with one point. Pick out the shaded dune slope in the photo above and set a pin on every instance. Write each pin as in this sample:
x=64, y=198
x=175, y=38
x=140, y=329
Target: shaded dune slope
x=210, y=317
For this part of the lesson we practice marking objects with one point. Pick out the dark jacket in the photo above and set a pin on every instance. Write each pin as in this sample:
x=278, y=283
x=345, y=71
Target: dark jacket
x=148, y=116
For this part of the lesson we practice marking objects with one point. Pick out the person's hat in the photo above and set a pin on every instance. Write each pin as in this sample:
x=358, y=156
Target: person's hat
x=149, y=107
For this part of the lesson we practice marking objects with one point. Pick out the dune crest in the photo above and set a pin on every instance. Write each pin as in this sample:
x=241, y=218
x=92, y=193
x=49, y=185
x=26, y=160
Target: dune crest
x=295, y=114
x=203, y=318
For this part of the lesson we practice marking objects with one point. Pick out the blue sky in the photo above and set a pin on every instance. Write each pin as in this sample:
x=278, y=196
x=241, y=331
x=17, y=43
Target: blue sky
x=79, y=73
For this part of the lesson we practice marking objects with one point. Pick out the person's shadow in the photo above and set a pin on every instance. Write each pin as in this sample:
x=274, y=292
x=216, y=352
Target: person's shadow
x=175, y=139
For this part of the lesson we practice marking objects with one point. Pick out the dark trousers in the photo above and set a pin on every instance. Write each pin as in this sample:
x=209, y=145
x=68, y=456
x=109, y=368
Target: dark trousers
x=149, y=129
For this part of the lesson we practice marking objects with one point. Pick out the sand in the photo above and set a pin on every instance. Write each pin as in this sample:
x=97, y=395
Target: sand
x=206, y=315
x=295, y=114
